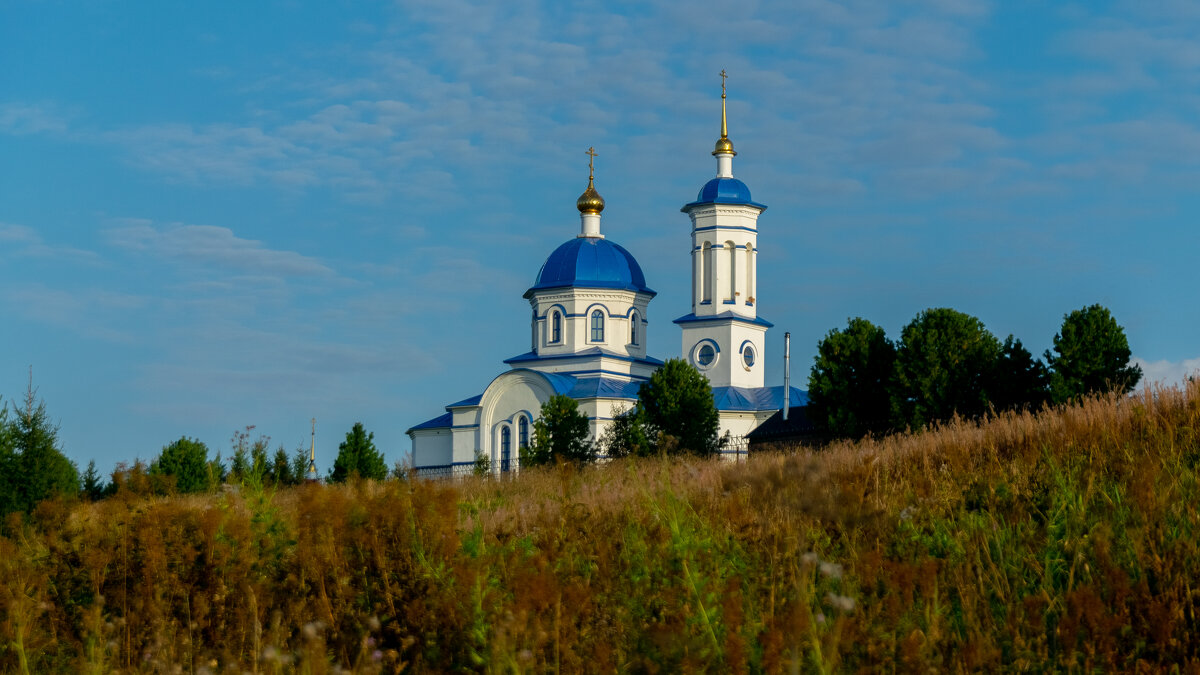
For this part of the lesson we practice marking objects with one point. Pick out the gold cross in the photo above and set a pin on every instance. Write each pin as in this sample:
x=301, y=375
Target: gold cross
x=591, y=153
x=723, y=76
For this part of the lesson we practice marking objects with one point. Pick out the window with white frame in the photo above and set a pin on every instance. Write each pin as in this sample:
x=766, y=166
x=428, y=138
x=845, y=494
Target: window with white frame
x=597, y=326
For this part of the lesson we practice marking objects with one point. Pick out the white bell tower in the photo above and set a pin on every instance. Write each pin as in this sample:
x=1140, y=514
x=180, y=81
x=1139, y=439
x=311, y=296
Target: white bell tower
x=723, y=336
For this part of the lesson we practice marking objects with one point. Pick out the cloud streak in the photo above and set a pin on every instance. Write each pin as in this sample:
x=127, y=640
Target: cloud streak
x=215, y=247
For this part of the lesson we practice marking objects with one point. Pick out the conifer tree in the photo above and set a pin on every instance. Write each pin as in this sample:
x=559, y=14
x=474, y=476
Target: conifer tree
x=357, y=455
x=560, y=432
x=42, y=470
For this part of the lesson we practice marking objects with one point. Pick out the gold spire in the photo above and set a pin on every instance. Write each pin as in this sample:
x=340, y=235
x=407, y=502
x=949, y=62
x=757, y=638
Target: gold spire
x=590, y=201
x=724, y=145
x=312, y=452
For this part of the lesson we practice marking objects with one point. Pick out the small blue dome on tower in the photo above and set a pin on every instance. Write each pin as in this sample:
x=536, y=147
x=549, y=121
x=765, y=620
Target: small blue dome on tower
x=724, y=191
x=591, y=262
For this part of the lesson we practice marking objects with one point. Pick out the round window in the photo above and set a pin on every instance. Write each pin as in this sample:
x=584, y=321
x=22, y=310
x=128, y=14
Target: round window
x=748, y=356
x=706, y=355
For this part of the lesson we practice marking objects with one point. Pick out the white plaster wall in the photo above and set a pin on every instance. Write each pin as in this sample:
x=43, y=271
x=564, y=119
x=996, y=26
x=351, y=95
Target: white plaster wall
x=728, y=369
x=576, y=306
x=432, y=447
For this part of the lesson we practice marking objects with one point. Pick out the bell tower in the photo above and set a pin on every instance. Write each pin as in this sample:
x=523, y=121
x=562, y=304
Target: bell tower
x=723, y=336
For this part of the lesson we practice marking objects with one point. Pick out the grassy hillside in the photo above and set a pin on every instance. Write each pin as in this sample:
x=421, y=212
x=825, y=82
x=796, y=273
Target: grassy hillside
x=1060, y=542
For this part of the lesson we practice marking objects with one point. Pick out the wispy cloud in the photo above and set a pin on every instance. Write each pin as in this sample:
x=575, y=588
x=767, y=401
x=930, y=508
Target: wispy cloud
x=24, y=241
x=213, y=246
x=22, y=118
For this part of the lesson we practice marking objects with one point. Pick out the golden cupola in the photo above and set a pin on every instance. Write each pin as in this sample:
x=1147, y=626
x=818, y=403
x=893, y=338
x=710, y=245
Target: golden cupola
x=590, y=201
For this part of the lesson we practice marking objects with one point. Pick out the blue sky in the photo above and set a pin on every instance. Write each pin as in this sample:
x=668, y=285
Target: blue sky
x=215, y=215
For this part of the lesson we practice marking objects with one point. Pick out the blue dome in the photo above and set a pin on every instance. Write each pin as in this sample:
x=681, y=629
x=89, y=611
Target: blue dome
x=724, y=191
x=591, y=262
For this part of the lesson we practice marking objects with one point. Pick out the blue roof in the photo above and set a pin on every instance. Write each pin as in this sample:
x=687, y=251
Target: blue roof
x=692, y=318
x=586, y=353
x=724, y=191
x=440, y=422
x=604, y=387
x=474, y=400
x=591, y=262
x=756, y=398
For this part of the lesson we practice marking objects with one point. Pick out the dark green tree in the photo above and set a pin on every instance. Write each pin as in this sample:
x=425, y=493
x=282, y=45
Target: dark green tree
x=626, y=435
x=93, y=488
x=945, y=364
x=850, y=385
x=357, y=456
x=43, y=471
x=1020, y=381
x=300, y=461
x=680, y=414
x=186, y=460
x=560, y=433
x=10, y=498
x=281, y=469
x=1091, y=355
x=239, y=466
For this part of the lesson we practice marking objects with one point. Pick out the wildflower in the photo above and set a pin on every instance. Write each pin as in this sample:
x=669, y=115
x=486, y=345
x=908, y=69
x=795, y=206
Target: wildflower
x=840, y=602
x=373, y=623
x=270, y=653
x=908, y=513
x=829, y=569
x=377, y=655
x=820, y=617
x=810, y=558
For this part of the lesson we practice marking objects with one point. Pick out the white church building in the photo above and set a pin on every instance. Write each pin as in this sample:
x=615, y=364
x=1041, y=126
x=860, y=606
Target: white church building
x=590, y=312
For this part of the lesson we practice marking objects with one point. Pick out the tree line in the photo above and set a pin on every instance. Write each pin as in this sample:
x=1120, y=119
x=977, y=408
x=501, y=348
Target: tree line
x=33, y=467
x=947, y=363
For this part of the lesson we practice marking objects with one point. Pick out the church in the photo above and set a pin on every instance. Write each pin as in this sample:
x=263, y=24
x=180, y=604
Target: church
x=590, y=310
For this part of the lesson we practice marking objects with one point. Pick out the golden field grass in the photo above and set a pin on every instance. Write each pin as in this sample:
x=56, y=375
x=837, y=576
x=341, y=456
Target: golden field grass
x=1058, y=542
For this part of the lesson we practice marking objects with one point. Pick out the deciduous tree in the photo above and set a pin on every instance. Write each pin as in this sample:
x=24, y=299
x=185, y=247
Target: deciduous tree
x=626, y=435
x=187, y=461
x=945, y=364
x=850, y=385
x=1091, y=355
x=678, y=404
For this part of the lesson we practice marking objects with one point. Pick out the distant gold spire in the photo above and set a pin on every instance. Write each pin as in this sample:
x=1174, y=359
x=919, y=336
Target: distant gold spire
x=724, y=145
x=312, y=452
x=590, y=201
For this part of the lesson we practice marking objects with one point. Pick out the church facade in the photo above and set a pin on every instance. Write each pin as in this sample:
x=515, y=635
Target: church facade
x=590, y=308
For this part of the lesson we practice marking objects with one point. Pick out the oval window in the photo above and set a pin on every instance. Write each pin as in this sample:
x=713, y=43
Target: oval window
x=706, y=355
x=748, y=356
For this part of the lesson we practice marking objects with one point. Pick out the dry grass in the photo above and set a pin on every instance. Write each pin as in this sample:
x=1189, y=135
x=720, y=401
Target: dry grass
x=1064, y=541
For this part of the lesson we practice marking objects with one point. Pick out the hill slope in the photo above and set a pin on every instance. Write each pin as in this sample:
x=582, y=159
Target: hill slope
x=1063, y=541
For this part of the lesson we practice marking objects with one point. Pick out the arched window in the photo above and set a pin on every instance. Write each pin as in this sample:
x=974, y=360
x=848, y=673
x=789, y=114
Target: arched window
x=731, y=251
x=505, y=447
x=749, y=273
x=533, y=332
x=597, y=326
x=707, y=271
x=633, y=328
x=522, y=432
x=555, y=327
